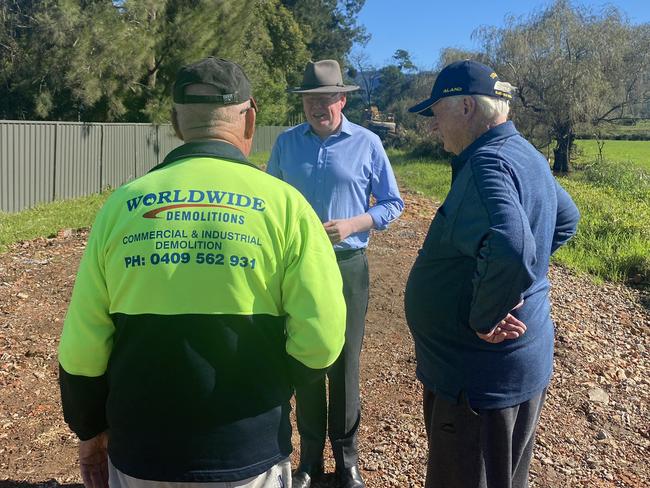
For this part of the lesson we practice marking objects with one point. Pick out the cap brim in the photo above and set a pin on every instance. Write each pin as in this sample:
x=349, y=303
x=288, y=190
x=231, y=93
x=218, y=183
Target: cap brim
x=424, y=107
x=324, y=89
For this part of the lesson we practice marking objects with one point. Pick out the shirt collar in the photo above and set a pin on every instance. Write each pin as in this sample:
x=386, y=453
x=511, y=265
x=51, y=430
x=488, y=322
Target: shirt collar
x=501, y=131
x=205, y=149
x=346, y=125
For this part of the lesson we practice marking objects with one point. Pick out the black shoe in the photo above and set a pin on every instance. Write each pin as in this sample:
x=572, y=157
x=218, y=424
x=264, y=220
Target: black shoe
x=349, y=478
x=306, y=473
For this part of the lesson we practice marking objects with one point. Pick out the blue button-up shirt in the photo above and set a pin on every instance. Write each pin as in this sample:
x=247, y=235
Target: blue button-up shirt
x=337, y=175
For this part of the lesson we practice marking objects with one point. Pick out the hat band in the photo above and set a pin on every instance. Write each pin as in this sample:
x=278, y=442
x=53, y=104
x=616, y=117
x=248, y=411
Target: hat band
x=308, y=87
x=226, y=99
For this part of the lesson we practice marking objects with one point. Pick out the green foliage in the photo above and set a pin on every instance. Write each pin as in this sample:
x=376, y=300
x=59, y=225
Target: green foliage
x=273, y=54
x=613, y=239
x=426, y=175
x=94, y=60
x=97, y=61
x=403, y=60
x=169, y=34
x=329, y=26
x=47, y=219
x=260, y=159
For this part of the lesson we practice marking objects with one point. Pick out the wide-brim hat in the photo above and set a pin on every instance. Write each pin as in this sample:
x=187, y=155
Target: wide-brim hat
x=465, y=77
x=323, y=77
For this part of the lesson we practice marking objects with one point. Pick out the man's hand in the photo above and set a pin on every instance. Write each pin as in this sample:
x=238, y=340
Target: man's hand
x=93, y=461
x=508, y=328
x=337, y=230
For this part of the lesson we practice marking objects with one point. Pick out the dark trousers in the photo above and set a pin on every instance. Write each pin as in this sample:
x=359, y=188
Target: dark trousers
x=342, y=420
x=491, y=448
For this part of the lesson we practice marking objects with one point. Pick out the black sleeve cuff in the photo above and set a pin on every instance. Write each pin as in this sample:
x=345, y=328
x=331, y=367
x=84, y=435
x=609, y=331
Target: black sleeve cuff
x=84, y=403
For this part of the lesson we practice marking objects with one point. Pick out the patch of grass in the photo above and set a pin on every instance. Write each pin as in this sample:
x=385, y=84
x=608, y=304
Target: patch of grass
x=431, y=177
x=259, y=158
x=633, y=153
x=613, y=239
x=639, y=130
x=47, y=219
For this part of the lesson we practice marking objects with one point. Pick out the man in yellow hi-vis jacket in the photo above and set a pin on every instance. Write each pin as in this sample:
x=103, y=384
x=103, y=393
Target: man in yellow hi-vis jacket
x=207, y=290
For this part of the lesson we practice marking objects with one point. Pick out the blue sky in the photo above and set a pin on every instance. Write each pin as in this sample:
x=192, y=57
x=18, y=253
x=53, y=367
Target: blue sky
x=425, y=27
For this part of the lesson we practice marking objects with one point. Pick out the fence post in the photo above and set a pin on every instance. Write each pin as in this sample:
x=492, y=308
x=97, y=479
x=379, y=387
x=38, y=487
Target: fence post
x=135, y=152
x=54, y=163
x=101, y=155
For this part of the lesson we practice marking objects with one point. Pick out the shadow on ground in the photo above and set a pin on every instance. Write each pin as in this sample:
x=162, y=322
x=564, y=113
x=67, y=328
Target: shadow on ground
x=41, y=484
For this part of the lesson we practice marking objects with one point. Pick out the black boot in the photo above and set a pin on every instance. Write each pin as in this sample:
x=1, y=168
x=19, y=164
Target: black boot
x=349, y=478
x=306, y=474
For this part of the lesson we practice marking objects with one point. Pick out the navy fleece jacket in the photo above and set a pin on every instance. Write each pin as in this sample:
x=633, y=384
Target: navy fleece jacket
x=488, y=248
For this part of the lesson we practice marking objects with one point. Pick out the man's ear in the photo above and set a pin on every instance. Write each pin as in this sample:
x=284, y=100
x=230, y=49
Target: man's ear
x=343, y=100
x=177, y=129
x=469, y=105
x=249, y=130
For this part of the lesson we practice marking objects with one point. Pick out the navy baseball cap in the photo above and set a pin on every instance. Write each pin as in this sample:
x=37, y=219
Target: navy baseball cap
x=463, y=78
x=229, y=80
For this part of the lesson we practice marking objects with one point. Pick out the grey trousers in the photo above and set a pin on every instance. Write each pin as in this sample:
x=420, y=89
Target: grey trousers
x=341, y=420
x=278, y=476
x=491, y=448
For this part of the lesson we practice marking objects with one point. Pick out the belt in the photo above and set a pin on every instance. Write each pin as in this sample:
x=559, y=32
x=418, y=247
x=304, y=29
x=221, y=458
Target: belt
x=348, y=253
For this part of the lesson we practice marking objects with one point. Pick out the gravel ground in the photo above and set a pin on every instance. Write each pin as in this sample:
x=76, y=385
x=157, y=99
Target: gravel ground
x=595, y=427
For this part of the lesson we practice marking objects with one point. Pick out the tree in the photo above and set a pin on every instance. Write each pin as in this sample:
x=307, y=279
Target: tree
x=403, y=60
x=393, y=81
x=171, y=33
x=273, y=53
x=366, y=74
x=99, y=60
x=574, y=70
x=329, y=26
x=14, y=26
x=452, y=54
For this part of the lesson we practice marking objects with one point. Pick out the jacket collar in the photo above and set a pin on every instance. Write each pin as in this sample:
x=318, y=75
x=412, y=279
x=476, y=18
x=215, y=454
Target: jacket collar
x=501, y=131
x=205, y=149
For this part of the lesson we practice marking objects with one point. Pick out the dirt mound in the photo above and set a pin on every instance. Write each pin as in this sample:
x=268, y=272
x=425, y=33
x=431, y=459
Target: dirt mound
x=595, y=429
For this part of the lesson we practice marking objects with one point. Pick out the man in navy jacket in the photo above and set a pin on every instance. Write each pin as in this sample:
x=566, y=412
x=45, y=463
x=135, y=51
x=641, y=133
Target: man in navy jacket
x=477, y=296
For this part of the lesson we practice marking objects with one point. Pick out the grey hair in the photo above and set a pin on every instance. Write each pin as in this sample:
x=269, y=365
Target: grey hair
x=492, y=108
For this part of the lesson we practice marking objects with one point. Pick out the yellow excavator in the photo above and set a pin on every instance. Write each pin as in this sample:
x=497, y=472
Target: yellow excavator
x=382, y=124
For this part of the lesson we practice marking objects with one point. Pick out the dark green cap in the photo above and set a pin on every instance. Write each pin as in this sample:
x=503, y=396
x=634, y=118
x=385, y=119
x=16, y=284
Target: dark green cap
x=231, y=83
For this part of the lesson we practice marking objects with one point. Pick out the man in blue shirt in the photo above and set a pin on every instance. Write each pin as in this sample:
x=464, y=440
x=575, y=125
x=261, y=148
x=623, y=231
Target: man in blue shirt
x=477, y=297
x=337, y=166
